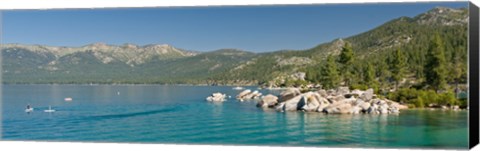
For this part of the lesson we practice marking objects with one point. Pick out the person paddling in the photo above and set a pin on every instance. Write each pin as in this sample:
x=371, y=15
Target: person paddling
x=29, y=109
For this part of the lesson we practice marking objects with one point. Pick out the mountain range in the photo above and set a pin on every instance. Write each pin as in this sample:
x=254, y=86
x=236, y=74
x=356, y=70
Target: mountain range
x=165, y=64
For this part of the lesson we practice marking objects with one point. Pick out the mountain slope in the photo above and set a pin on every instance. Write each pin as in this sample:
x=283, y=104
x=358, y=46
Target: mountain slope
x=411, y=35
x=195, y=69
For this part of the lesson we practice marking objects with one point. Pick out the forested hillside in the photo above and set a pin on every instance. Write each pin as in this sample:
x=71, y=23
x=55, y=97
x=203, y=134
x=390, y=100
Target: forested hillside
x=374, y=54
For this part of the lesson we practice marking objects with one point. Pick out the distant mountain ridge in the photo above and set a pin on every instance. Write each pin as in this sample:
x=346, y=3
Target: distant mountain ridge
x=443, y=16
x=128, y=53
x=130, y=63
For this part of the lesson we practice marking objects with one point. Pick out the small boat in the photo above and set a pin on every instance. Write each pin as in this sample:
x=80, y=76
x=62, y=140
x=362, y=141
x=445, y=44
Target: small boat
x=49, y=110
x=29, y=110
x=238, y=88
x=68, y=99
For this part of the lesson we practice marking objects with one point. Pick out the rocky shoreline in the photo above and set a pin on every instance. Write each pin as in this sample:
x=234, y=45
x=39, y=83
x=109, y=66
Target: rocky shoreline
x=339, y=101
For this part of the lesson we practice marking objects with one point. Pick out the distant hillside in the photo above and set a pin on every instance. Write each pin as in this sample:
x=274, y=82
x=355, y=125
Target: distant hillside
x=102, y=63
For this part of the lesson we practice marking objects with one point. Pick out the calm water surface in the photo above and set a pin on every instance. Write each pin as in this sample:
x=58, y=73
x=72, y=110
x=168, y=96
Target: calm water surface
x=180, y=114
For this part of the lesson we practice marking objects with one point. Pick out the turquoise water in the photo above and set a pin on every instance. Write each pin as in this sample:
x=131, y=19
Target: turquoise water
x=180, y=115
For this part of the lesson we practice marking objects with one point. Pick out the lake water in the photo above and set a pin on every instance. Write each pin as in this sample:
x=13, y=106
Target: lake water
x=180, y=115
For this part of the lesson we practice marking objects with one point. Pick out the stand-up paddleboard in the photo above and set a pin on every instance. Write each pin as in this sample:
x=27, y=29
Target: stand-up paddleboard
x=49, y=110
x=68, y=99
x=238, y=88
x=29, y=110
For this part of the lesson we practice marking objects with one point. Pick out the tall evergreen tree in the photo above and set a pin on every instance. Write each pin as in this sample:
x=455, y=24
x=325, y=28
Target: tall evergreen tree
x=346, y=56
x=346, y=59
x=369, y=76
x=312, y=74
x=435, y=68
x=398, y=66
x=383, y=73
x=330, y=78
x=456, y=70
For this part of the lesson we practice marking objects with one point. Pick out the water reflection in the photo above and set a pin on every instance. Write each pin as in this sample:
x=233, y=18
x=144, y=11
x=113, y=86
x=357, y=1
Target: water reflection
x=217, y=109
x=347, y=129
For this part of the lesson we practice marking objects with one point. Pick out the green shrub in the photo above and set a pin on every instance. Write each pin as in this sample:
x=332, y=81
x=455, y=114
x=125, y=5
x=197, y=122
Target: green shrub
x=358, y=86
x=411, y=106
x=404, y=95
x=422, y=98
x=448, y=98
x=430, y=97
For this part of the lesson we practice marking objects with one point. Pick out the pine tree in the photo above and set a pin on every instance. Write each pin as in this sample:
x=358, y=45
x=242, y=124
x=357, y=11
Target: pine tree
x=398, y=64
x=346, y=59
x=330, y=78
x=383, y=73
x=369, y=76
x=456, y=71
x=435, y=70
x=312, y=75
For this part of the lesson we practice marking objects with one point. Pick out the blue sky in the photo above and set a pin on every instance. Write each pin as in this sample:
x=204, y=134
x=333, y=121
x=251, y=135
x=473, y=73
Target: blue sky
x=251, y=28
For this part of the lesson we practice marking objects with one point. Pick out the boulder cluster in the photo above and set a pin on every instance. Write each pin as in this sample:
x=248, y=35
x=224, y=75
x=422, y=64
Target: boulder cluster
x=339, y=101
x=248, y=95
x=217, y=97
